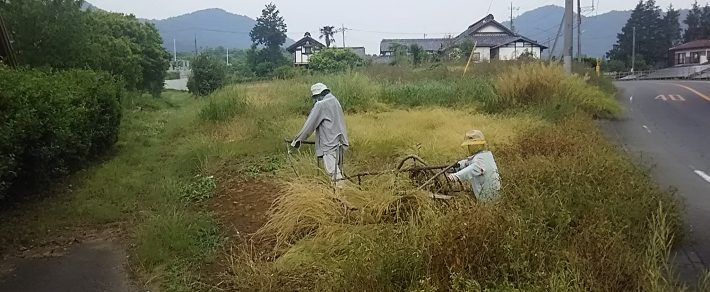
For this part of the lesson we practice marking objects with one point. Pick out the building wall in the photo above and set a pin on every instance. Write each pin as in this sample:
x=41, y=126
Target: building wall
x=490, y=28
x=687, y=60
x=514, y=52
x=485, y=54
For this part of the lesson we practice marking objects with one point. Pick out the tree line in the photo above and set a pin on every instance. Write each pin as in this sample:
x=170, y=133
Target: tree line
x=656, y=32
x=266, y=58
x=59, y=34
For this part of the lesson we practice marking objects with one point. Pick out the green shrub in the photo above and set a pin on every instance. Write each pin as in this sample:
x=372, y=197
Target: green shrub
x=54, y=122
x=285, y=72
x=335, y=60
x=208, y=75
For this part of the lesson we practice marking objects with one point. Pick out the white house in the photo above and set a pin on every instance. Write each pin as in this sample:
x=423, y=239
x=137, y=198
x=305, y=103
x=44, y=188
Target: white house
x=692, y=53
x=493, y=41
x=303, y=49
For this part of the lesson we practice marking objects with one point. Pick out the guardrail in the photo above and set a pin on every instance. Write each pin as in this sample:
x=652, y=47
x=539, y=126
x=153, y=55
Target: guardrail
x=701, y=72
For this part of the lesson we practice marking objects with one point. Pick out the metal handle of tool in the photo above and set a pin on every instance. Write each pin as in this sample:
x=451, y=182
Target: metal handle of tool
x=289, y=141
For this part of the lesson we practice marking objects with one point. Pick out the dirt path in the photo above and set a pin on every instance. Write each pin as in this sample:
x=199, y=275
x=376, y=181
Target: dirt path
x=92, y=266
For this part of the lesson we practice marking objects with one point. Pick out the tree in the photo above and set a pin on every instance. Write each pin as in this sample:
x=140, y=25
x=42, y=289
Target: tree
x=335, y=60
x=269, y=32
x=47, y=33
x=693, y=21
x=58, y=34
x=652, y=45
x=672, y=29
x=417, y=54
x=327, y=32
x=127, y=47
x=208, y=75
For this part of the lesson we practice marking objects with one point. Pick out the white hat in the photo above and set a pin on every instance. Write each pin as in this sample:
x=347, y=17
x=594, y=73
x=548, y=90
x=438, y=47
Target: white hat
x=318, y=88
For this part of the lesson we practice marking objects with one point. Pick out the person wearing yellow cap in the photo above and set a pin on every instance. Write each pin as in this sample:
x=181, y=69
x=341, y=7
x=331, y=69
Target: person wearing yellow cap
x=328, y=122
x=479, y=168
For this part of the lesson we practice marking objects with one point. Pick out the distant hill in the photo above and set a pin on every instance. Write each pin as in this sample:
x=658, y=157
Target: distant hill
x=598, y=36
x=212, y=28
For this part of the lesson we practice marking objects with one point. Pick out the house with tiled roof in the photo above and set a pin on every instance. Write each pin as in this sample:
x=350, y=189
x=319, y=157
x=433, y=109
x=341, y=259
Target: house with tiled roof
x=493, y=41
x=692, y=53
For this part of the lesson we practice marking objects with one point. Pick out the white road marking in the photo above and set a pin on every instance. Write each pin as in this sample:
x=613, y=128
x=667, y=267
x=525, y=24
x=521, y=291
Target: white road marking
x=704, y=175
x=647, y=129
x=631, y=99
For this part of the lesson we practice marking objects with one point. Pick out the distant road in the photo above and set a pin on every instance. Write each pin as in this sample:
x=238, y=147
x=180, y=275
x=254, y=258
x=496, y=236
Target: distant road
x=668, y=124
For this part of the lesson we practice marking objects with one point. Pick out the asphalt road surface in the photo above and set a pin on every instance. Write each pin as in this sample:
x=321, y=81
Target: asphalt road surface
x=668, y=125
x=97, y=266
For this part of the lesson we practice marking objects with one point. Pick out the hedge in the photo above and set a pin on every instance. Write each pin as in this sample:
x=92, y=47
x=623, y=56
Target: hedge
x=52, y=123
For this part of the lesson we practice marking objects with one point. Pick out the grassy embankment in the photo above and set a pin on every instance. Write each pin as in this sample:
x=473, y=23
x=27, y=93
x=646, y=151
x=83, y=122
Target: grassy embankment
x=575, y=213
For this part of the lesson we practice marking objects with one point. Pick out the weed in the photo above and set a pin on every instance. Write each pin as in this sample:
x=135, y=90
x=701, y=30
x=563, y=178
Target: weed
x=201, y=189
x=223, y=105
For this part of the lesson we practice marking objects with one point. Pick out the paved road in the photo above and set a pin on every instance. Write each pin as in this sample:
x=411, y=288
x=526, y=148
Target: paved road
x=668, y=125
x=97, y=266
x=177, y=84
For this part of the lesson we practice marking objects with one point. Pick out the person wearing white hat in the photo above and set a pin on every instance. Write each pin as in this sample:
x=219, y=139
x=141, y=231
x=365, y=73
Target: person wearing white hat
x=479, y=168
x=328, y=121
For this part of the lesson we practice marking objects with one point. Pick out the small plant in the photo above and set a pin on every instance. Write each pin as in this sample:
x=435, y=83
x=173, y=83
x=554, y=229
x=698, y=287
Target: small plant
x=201, y=189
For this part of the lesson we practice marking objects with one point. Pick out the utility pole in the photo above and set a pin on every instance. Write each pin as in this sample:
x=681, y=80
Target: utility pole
x=227, y=56
x=512, y=27
x=175, y=52
x=579, y=31
x=512, y=10
x=633, y=52
x=343, y=31
x=569, y=43
x=557, y=36
x=195, y=45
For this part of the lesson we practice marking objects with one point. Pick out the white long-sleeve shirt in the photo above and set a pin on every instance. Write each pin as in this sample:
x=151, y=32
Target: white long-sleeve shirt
x=481, y=170
x=328, y=121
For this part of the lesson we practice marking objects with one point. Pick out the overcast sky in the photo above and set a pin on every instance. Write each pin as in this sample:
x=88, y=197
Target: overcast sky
x=369, y=20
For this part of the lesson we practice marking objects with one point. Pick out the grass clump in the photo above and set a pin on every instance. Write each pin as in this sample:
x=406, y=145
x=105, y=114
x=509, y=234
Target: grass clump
x=223, y=105
x=546, y=86
x=176, y=234
x=459, y=92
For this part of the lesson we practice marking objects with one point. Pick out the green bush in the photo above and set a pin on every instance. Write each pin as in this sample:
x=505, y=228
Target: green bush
x=335, y=60
x=285, y=72
x=54, y=122
x=208, y=75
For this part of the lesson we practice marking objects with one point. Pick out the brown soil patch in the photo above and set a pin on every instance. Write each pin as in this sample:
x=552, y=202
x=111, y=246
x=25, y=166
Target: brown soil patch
x=242, y=204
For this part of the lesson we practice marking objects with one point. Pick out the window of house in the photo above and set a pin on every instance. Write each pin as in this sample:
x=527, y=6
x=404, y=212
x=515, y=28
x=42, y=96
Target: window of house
x=695, y=57
x=308, y=50
x=476, y=57
x=680, y=59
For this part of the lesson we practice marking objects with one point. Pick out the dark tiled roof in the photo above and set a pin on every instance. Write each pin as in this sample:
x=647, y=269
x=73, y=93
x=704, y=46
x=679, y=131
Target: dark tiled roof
x=494, y=41
x=483, y=22
x=699, y=44
x=302, y=41
x=491, y=40
x=426, y=44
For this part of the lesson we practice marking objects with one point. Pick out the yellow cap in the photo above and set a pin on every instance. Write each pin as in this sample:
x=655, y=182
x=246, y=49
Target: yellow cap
x=474, y=137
